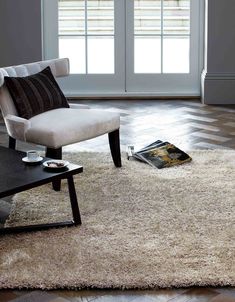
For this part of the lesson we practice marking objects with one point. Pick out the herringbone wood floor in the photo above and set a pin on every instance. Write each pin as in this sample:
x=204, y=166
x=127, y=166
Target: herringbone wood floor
x=187, y=124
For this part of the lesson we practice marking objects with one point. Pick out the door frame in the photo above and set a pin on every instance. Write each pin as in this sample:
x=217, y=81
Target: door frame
x=86, y=84
x=120, y=83
x=169, y=83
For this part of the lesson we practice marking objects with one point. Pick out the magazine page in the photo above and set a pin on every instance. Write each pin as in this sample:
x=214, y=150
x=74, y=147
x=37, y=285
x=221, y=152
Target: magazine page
x=156, y=144
x=131, y=151
x=152, y=145
x=164, y=156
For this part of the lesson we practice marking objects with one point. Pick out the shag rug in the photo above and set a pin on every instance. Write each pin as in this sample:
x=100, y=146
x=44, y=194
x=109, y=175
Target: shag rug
x=142, y=227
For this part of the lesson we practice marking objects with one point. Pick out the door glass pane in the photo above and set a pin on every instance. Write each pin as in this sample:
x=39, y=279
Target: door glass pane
x=147, y=54
x=176, y=17
x=86, y=35
x=147, y=17
x=161, y=36
x=100, y=17
x=176, y=36
x=147, y=39
x=100, y=54
x=71, y=17
x=74, y=49
x=176, y=55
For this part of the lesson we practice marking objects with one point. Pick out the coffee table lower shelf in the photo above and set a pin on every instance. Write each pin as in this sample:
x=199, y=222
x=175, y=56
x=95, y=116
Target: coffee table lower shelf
x=16, y=177
x=36, y=227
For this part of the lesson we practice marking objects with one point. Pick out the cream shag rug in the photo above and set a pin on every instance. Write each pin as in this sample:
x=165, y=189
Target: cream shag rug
x=142, y=227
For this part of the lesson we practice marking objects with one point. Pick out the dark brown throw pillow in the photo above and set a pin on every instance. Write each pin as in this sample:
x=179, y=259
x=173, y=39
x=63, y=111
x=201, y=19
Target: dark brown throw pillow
x=36, y=93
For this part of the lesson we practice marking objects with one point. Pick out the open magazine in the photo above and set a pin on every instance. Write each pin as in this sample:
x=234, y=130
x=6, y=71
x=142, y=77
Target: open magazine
x=160, y=154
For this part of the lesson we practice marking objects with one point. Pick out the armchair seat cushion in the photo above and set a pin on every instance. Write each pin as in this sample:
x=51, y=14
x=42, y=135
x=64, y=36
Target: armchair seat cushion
x=64, y=126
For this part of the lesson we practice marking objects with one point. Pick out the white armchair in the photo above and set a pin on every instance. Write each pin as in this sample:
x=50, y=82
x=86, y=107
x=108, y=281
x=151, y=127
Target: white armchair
x=58, y=127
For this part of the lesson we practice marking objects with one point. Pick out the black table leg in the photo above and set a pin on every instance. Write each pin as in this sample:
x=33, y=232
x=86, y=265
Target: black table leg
x=56, y=185
x=73, y=201
x=55, y=154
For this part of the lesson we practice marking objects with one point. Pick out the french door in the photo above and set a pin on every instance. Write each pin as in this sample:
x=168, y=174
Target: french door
x=118, y=47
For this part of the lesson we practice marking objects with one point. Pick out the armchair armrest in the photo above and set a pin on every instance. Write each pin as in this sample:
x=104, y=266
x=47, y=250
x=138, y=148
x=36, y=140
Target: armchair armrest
x=16, y=126
x=78, y=106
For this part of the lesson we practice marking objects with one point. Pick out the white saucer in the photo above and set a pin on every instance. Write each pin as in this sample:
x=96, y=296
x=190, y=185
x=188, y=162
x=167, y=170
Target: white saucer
x=26, y=160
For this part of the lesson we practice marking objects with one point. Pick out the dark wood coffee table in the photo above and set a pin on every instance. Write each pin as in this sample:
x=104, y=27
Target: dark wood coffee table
x=16, y=176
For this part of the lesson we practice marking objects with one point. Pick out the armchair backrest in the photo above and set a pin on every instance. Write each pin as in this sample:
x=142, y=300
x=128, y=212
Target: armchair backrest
x=59, y=68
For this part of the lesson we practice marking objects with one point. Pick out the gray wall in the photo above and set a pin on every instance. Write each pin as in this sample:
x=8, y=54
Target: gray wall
x=20, y=32
x=21, y=42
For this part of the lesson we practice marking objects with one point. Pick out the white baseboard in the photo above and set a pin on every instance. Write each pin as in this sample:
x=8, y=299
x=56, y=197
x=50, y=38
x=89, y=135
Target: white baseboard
x=133, y=95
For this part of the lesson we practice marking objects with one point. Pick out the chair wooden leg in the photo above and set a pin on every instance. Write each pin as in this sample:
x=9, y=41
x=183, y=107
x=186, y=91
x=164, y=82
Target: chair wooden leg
x=12, y=143
x=114, y=143
x=55, y=154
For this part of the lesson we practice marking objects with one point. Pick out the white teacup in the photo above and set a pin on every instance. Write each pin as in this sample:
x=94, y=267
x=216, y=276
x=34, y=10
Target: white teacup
x=32, y=155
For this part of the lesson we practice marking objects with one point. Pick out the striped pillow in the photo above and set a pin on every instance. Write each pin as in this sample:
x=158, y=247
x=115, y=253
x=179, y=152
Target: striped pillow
x=35, y=94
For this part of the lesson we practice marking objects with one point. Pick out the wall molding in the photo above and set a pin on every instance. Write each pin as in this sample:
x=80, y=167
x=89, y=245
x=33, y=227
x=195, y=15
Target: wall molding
x=218, y=88
x=218, y=75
